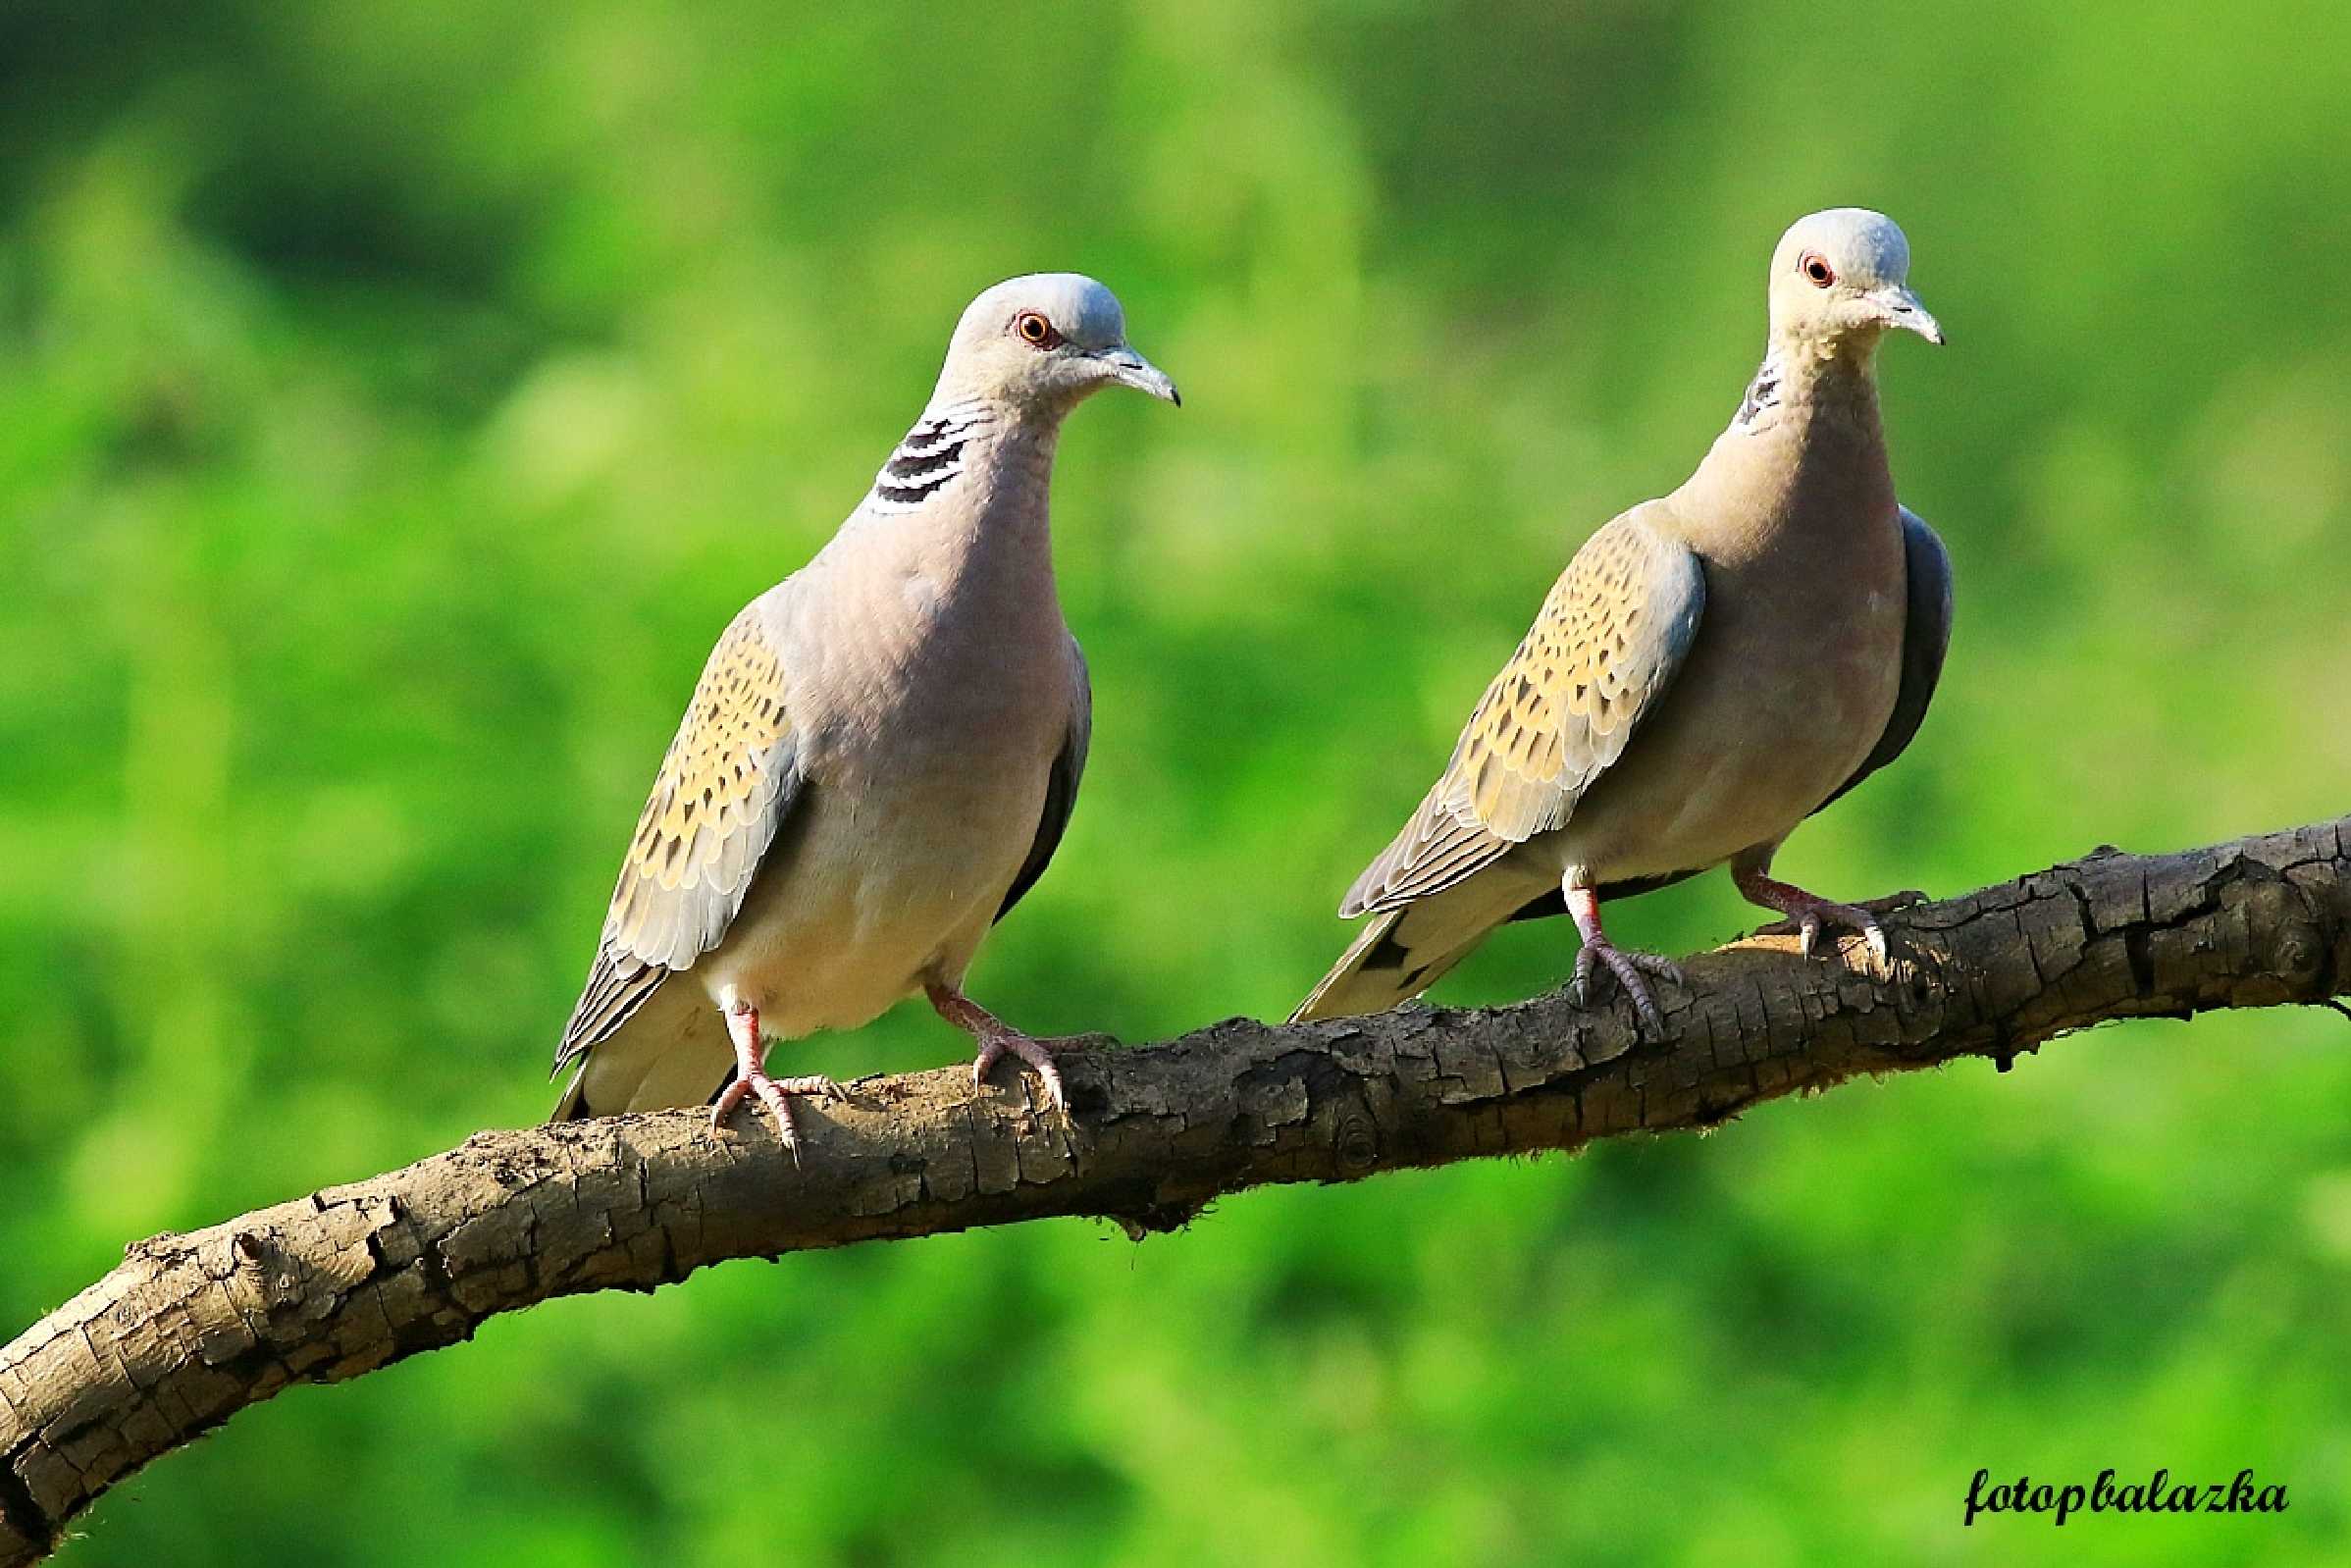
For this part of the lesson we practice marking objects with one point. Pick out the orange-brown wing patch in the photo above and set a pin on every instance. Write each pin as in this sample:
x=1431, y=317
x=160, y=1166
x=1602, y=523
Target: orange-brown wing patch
x=710, y=814
x=724, y=788
x=1609, y=637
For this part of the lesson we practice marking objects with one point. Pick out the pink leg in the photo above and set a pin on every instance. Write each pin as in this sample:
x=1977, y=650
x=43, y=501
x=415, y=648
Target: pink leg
x=1750, y=874
x=997, y=1040
x=751, y=1077
x=1630, y=968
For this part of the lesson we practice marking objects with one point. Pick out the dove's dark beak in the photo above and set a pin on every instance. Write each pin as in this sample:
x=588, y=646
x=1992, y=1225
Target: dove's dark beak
x=1123, y=364
x=1899, y=307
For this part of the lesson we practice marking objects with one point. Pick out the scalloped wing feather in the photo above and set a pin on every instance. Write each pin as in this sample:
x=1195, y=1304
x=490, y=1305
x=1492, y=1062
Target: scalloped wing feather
x=1608, y=641
x=724, y=788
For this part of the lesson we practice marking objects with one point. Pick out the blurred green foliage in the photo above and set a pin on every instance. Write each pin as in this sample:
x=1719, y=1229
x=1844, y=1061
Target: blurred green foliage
x=396, y=398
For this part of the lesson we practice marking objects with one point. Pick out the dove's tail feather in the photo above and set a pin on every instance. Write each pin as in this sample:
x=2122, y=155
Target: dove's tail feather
x=1401, y=952
x=673, y=1052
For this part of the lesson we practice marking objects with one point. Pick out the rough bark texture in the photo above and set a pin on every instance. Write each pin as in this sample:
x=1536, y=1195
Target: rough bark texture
x=192, y=1329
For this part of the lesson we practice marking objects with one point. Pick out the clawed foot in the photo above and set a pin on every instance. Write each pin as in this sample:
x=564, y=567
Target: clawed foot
x=997, y=1040
x=995, y=1047
x=775, y=1094
x=1751, y=873
x=1812, y=916
x=751, y=1077
x=1584, y=908
x=1629, y=968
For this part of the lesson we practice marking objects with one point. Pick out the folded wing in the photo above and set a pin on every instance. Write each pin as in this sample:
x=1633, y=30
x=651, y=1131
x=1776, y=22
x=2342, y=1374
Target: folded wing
x=725, y=787
x=1609, y=640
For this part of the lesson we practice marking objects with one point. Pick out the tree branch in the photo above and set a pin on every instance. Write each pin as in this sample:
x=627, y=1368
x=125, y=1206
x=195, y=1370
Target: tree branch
x=192, y=1329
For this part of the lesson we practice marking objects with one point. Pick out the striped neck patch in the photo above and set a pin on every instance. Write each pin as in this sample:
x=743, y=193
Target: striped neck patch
x=1762, y=394
x=929, y=458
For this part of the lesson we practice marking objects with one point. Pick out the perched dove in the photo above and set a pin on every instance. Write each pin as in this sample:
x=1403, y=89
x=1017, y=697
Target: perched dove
x=879, y=757
x=1711, y=669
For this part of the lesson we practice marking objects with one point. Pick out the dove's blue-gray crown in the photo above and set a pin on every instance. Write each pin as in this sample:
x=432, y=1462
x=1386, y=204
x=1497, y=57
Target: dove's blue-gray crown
x=1869, y=247
x=1079, y=308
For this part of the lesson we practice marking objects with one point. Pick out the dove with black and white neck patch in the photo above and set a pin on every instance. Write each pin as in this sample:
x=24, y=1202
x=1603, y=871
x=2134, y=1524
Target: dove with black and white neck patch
x=1712, y=668
x=881, y=757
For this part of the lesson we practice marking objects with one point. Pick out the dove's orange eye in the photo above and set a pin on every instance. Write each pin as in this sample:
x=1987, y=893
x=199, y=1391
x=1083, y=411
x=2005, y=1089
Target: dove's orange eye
x=1035, y=330
x=1816, y=266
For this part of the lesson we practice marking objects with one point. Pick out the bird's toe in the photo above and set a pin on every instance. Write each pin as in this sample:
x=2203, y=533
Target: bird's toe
x=1628, y=975
x=1659, y=964
x=1630, y=971
x=1036, y=1052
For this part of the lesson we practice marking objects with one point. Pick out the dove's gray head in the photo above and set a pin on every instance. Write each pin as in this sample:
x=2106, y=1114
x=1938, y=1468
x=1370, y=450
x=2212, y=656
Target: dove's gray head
x=1041, y=344
x=1843, y=275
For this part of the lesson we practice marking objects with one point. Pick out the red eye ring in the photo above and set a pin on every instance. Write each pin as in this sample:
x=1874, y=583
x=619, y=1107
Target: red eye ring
x=1816, y=266
x=1034, y=330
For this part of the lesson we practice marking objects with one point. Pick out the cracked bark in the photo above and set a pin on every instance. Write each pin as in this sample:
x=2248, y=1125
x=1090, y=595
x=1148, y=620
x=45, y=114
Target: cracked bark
x=192, y=1329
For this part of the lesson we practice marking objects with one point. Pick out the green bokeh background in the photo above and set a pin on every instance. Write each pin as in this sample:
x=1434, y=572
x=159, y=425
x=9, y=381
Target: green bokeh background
x=396, y=399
